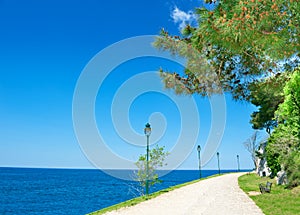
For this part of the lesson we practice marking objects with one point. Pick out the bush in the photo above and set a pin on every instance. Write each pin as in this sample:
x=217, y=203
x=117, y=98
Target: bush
x=292, y=168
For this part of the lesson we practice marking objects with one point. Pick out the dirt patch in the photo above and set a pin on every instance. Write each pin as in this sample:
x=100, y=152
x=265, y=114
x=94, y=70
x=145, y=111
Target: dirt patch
x=253, y=193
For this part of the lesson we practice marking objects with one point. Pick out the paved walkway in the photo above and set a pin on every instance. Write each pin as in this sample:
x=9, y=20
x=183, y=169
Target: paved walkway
x=214, y=196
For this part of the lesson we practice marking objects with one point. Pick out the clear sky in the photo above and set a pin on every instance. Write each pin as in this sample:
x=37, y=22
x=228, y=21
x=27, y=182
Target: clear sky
x=44, y=48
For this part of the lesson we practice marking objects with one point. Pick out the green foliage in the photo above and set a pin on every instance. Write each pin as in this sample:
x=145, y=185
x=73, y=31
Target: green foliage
x=279, y=201
x=259, y=155
x=157, y=157
x=236, y=44
x=273, y=159
x=267, y=94
x=269, y=28
x=244, y=47
x=284, y=143
x=289, y=111
x=293, y=169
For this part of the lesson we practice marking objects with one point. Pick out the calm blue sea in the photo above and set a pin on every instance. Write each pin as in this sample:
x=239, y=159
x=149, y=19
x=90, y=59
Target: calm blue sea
x=70, y=191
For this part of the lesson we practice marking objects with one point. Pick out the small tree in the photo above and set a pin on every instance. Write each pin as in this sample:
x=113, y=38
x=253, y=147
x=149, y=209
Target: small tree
x=252, y=145
x=157, y=157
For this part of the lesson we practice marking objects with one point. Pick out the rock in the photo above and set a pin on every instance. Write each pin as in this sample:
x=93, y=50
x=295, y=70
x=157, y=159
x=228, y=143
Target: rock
x=281, y=178
x=262, y=167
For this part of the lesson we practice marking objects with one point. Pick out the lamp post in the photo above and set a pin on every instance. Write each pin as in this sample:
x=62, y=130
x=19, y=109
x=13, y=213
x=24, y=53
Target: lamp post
x=238, y=162
x=199, y=149
x=147, y=132
x=218, y=155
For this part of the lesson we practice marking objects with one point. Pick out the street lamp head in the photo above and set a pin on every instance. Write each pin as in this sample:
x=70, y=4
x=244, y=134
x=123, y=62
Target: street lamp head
x=199, y=148
x=147, y=130
x=238, y=156
x=218, y=153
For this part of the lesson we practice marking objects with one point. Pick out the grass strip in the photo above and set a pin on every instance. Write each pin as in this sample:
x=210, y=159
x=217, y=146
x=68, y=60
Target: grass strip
x=280, y=201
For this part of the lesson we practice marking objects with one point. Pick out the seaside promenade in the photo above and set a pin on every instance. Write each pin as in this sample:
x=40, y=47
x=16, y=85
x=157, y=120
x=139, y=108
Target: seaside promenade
x=214, y=196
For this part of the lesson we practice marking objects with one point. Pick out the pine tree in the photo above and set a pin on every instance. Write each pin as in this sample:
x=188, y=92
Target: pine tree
x=236, y=44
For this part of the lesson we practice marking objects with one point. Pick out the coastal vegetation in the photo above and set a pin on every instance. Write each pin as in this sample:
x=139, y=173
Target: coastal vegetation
x=279, y=201
x=249, y=49
x=284, y=143
x=234, y=46
x=278, y=100
x=146, y=174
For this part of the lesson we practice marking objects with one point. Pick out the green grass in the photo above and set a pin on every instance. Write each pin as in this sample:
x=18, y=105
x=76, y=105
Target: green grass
x=137, y=200
x=280, y=201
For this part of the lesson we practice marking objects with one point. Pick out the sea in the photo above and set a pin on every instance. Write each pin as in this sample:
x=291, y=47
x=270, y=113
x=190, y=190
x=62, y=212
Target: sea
x=74, y=191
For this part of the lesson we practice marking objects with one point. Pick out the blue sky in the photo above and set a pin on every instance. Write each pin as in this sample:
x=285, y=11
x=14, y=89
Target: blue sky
x=45, y=46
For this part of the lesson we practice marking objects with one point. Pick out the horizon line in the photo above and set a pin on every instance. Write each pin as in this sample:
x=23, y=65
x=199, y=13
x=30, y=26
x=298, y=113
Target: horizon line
x=85, y=168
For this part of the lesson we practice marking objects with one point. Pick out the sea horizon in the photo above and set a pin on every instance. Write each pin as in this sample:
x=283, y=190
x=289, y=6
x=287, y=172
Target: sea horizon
x=82, y=168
